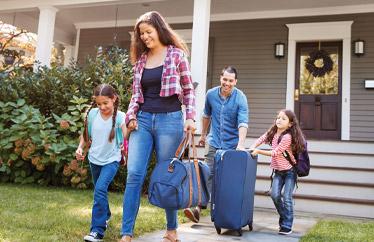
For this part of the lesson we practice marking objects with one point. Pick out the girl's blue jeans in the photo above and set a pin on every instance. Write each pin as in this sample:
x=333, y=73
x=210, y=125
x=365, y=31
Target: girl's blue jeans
x=102, y=176
x=284, y=202
x=161, y=132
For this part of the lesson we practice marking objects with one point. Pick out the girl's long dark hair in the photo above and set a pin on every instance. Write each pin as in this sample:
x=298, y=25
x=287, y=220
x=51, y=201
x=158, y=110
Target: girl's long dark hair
x=107, y=91
x=297, y=136
x=165, y=33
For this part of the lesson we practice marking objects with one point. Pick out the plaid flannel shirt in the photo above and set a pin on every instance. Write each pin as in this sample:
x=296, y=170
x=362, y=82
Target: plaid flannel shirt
x=176, y=79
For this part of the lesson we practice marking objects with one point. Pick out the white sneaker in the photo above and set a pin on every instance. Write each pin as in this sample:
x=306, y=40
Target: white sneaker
x=93, y=237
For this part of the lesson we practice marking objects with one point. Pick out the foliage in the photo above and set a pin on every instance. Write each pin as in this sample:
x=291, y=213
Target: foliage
x=42, y=117
x=319, y=63
x=51, y=89
x=35, y=148
x=15, y=46
x=340, y=230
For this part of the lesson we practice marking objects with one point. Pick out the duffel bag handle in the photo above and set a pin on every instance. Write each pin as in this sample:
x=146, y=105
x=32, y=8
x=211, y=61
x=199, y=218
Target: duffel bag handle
x=187, y=139
x=197, y=168
x=182, y=146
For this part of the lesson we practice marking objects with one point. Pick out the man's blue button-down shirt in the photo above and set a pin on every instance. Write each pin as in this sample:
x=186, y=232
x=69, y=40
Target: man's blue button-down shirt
x=227, y=116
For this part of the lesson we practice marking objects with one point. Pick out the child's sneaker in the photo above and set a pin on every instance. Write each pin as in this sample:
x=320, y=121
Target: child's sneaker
x=285, y=231
x=93, y=237
x=107, y=223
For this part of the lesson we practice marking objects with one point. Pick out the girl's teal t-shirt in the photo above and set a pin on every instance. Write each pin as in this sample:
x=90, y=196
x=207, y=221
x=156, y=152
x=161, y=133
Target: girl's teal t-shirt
x=103, y=152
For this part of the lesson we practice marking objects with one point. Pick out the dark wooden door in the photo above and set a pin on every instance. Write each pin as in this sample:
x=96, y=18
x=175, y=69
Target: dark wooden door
x=318, y=97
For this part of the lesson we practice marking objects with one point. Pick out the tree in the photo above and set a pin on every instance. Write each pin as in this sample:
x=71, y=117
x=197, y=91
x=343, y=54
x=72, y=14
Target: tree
x=11, y=46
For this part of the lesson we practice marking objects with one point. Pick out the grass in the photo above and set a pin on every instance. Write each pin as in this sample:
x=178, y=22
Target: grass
x=32, y=213
x=340, y=230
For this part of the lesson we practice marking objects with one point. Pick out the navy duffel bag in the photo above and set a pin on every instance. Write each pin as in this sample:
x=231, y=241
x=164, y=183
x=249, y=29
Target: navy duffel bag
x=176, y=183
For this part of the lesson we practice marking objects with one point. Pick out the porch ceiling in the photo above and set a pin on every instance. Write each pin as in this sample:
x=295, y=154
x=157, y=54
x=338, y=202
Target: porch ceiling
x=74, y=14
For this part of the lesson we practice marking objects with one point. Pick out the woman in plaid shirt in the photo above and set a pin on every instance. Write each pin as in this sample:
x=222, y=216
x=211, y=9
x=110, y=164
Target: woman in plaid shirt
x=161, y=85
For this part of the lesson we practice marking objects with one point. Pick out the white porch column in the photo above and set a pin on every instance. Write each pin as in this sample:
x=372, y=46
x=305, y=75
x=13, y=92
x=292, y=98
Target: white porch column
x=199, y=53
x=46, y=29
x=76, y=47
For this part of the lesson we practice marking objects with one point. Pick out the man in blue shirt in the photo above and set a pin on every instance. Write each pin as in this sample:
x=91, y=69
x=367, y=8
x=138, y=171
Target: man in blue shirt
x=226, y=111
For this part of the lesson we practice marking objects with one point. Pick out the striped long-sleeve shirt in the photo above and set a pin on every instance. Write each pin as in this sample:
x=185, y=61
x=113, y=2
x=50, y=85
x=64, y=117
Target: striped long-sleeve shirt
x=176, y=79
x=278, y=162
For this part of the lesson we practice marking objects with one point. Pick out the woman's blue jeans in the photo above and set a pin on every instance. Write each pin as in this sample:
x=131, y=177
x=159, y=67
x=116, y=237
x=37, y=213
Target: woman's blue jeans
x=102, y=176
x=161, y=132
x=284, y=202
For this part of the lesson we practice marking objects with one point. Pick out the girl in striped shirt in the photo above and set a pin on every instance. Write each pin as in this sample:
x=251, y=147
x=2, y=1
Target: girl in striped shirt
x=284, y=135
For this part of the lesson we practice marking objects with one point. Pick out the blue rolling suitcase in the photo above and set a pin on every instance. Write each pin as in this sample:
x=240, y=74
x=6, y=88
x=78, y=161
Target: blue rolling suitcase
x=233, y=190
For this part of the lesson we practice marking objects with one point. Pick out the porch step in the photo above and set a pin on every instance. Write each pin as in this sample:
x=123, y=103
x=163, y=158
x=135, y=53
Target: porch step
x=340, y=180
x=329, y=173
x=323, y=204
x=364, y=191
x=342, y=160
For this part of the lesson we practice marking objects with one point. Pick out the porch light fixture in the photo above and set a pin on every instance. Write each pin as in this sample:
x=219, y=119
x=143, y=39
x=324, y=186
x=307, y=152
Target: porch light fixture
x=359, y=47
x=279, y=50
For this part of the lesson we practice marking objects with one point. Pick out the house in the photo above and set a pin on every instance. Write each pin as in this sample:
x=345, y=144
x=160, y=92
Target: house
x=336, y=110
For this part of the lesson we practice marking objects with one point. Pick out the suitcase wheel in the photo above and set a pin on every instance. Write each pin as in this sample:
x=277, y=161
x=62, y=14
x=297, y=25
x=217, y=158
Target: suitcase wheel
x=240, y=232
x=250, y=226
x=218, y=230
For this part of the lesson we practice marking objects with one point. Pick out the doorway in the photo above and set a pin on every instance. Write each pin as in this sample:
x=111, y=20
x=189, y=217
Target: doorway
x=318, y=85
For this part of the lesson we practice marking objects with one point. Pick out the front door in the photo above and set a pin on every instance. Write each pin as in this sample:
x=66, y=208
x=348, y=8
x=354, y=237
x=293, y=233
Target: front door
x=318, y=89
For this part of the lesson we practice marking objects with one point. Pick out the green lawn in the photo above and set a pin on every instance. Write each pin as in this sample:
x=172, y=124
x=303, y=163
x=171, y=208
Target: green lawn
x=340, y=231
x=31, y=213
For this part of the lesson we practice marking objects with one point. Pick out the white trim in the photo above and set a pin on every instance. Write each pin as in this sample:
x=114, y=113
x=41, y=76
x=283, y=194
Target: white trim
x=26, y=5
x=301, y=12
x=322, y=31
x=76, y=47
x=128, y=22
x=287, y=13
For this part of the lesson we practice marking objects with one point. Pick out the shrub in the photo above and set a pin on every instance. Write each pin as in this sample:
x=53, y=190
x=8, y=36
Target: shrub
x=51, y=89
x=42, y=117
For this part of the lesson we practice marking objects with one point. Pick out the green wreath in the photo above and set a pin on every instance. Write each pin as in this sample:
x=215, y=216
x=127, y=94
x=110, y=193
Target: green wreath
x=325, y=63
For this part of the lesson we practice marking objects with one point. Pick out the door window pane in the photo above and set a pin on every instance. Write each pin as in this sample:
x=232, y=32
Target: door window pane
x=325, y=85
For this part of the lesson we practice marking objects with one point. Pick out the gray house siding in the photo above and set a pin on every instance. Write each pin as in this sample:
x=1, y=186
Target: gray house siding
x=92, y=38
x=362, y=100
x=249, y=46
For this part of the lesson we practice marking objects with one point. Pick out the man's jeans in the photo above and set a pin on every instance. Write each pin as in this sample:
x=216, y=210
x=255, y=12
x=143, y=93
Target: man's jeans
x=284, y=202
x=102, y=176
x=163, y=133
x=209, y=158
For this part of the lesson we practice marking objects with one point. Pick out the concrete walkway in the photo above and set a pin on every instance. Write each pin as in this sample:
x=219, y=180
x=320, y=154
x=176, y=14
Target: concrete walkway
x=265, y=229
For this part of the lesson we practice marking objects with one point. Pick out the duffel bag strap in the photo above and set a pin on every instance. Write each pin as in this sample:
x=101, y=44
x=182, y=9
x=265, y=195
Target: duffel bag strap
x=182, y=146
x=196, y=165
